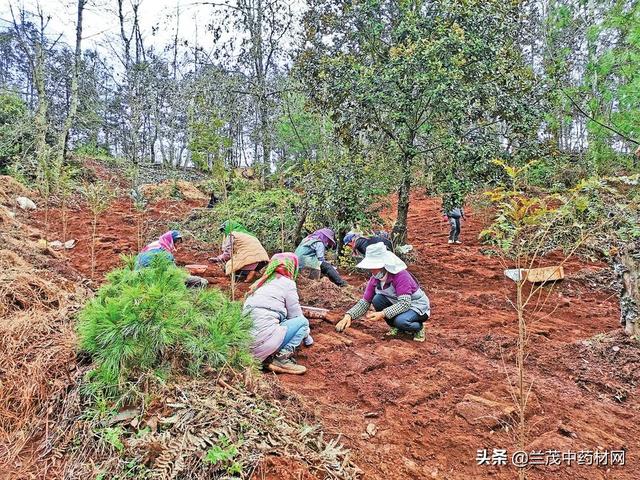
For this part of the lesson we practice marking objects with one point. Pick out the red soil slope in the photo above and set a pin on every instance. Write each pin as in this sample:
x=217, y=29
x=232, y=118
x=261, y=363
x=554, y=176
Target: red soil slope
x=583, y=393
x=584, y=371
x=116, y=230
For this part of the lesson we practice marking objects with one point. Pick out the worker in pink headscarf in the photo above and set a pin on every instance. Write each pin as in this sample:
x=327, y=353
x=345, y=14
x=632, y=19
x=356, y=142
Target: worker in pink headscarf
x=166, y=245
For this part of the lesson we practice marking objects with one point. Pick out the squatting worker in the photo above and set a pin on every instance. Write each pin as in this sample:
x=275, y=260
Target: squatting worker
x=242, y=251
x=278, y=323
x=311, y=253
x=166, y=245
x=395, y=294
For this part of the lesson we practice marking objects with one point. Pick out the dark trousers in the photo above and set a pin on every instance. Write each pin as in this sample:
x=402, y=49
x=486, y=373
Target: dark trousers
x=193, y=281
x=408, y=321
x=241, y=275
x=454, y=233
x=332, y=274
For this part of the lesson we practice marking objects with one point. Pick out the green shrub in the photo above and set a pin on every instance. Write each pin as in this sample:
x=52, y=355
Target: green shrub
x=92, y=149
x=142, y=321
x=344, y=193
x=556, y=173
x=270, y=215
x=593, y=218
x=16, y=130
x=600, y=213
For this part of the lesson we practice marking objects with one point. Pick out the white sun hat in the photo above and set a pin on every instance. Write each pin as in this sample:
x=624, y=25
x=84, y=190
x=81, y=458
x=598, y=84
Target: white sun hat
x=377, y=256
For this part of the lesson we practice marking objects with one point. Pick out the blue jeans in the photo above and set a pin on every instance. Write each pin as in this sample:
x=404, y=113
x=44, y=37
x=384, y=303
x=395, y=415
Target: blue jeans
x=297, y=330
x=454, y=233
x=409, y=321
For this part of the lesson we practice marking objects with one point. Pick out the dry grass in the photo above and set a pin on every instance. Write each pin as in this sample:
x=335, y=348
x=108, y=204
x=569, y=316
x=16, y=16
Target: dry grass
x=37, y=344
x=21, y=290
x=171, y=438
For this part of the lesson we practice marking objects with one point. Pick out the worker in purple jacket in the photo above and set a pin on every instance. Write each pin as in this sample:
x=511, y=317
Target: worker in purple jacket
x=395, y=294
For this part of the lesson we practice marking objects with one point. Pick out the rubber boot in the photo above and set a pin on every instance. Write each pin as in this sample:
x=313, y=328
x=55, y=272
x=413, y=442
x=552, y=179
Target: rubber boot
x=283, y=363
x=332, y=274
x=193, y=281
x=419, y=336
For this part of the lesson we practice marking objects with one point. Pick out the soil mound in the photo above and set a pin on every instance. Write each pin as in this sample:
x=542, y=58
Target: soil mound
x=10, y=189
x=324, y=294
x=170, y=189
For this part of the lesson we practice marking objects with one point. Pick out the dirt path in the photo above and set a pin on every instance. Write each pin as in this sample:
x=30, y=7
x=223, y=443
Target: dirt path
x=583, y=393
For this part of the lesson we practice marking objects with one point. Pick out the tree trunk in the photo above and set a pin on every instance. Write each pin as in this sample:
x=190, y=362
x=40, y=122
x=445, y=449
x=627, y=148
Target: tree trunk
x=73, y=102
x=297, y=235
x=399, y=232
x=40, y=119
x=94, y=225
x=265, y=138
x=627, y=267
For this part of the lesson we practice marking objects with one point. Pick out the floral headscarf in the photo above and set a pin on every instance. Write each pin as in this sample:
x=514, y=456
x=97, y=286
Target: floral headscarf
x=165, y=242
x=284, y=264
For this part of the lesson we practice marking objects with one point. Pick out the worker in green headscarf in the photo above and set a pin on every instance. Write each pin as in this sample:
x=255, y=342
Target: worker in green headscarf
x=233, y=226
x=241, y=250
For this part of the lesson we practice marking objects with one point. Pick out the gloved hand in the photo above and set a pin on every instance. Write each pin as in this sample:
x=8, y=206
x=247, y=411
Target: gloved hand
x=344, y=323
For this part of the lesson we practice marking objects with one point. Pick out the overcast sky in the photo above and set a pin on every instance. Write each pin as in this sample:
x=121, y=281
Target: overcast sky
x=101, y=27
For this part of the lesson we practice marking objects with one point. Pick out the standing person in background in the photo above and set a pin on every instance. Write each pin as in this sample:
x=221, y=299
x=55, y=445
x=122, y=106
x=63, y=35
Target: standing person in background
x=166, y=245
x=454, y=212
x=278, y=323
x=394, y=293
x=311, y=253
x=241, y=250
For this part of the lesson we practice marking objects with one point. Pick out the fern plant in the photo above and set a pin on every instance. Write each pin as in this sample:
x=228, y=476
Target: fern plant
x=222, y=457
x=142, y=321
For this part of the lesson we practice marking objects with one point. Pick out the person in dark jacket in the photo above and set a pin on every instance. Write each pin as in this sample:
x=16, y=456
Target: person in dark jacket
x=359, y=243
x=455, y=215
x=453, y=212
